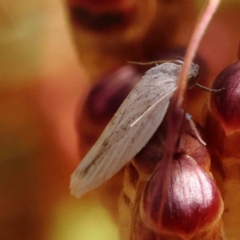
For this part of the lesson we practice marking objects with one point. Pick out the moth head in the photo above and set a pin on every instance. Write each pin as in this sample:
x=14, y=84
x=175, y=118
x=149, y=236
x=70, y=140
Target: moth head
x=193, y=75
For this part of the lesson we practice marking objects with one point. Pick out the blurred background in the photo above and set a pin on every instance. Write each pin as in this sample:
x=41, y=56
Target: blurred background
x=51, y=54
x=40, y=82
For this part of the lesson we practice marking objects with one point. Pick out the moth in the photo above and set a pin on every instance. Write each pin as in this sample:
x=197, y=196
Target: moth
x=131, y=127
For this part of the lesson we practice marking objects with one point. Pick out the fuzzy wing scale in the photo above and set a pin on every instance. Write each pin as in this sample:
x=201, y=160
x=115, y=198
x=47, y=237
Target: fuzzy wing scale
x=127, y=133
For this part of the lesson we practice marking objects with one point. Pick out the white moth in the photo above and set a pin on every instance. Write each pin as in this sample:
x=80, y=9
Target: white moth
x=131, y=127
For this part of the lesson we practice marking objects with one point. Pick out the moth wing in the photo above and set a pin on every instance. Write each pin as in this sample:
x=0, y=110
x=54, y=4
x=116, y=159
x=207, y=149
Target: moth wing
x=126, y=134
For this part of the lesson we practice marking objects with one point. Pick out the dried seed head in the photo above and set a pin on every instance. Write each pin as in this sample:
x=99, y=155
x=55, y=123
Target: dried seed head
x=182, y=200
x=225, y=104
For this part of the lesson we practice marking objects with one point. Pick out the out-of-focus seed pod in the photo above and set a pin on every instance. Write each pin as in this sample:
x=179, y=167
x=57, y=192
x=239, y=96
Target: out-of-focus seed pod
x=114, y=32
x=109, y=32
x=182, y=202
x=223, y=137
x=225, y=104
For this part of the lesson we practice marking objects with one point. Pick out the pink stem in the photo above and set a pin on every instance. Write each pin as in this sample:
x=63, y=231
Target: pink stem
x=201, y=26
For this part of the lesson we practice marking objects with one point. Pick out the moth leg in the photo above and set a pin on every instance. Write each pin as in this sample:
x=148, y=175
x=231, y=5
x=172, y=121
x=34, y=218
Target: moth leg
x=208, y=89
x=193, y=126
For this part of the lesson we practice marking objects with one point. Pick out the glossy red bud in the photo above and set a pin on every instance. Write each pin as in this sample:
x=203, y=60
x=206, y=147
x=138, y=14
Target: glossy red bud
x=180, y=199
x=225, y=104
x=223, y=137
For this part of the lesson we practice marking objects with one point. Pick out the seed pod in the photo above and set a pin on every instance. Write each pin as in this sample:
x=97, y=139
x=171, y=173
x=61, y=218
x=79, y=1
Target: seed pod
x=225, y=104
x=193, y=190
x=109, y=32
x=223, y=137
x=183, y=201
x=116, y=31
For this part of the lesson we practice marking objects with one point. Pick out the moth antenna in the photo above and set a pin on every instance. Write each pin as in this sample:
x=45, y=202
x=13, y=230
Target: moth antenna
x=178, y=61
x=208, y=89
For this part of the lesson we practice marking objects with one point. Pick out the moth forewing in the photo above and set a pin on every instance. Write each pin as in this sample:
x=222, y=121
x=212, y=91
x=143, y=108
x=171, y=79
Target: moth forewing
x=130, y=129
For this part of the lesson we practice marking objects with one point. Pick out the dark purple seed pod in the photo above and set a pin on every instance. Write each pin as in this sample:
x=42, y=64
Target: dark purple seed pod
x=112, y=16
x=108, y=94
x=223, y=137
x=180, y=199
x=99, y=21
x=101, y=15
x=225, y=104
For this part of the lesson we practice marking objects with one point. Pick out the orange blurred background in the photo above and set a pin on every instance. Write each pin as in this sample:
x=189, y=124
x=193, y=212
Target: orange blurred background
x=41, y=82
